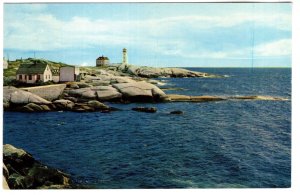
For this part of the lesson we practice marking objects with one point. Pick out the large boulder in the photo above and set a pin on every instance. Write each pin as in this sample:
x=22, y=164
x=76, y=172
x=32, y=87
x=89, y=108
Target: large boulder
x=82, y=93
x=107, y=93
x=140, y=91
x=63, y=104
x=14, y=95
x=97, y=105
x=48, y=92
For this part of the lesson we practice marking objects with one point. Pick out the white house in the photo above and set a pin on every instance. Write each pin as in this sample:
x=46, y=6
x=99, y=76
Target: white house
x=68, y=73
x=33, y=72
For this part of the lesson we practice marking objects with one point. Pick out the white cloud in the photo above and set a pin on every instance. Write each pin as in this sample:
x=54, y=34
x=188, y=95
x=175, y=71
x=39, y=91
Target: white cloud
x=42, y=31
x=277, y=48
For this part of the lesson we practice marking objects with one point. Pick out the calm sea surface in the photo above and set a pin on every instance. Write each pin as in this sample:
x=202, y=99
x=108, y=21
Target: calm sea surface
x=215, y=144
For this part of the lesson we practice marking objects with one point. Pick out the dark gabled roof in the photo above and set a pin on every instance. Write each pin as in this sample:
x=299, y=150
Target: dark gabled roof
x=32, y=68
x=102, y=58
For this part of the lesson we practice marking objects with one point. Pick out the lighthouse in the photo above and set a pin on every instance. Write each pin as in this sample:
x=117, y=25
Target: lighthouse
x=125, y=60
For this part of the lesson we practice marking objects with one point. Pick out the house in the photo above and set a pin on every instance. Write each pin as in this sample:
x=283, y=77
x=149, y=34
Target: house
x=33, y=72
x=69, y=73
x=102, y=61
x=5, y=63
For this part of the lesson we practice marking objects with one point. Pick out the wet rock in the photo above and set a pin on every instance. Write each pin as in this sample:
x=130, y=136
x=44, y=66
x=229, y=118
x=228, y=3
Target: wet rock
x=145, y=109
x=97, y=105
x=185, y=98
x=32, y=107
x=24, y=172
x=17, y=181
x=176, y=112
x=82, y=107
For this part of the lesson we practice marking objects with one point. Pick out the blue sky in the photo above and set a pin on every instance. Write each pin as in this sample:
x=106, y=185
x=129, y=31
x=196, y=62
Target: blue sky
x=155, y=34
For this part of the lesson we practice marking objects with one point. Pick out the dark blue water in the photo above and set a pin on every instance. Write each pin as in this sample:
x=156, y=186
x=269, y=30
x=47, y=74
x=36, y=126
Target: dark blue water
x=212, y=145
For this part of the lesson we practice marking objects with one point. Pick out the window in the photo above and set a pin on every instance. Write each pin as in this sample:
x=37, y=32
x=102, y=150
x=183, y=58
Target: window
x=38, y=77
x=25, y=77
x=20, y=77
x=30, y=77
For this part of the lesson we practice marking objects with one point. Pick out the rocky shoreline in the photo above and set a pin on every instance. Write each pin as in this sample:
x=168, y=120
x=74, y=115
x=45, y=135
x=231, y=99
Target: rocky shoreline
x=98, y=86
x=22, y=171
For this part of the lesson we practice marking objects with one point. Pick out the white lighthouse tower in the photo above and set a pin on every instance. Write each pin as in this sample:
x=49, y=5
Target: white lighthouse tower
x=125, y=59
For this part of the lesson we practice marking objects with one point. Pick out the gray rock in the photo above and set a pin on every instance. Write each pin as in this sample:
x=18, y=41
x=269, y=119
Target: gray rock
x=140, y=91
x=16, y=181
x=83, y=85
x=32, y=107
x=97, y=105
x=108, y=95
x=73, y=86
x=64, y=104
x=48, y=92
x=18, y=96
x=83, y=93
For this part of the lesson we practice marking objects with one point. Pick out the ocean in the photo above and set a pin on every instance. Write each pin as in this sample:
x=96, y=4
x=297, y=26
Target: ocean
x=224, y=144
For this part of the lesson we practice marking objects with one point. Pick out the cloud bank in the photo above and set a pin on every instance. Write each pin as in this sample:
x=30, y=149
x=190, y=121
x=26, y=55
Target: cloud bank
x=191, y=36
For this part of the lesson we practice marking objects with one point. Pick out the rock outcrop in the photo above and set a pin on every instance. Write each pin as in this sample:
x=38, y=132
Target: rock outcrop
x=13, y=97
x=24, y=172
x=151, y=72
x=140, y=92
x=48, y=92
x=186, y=98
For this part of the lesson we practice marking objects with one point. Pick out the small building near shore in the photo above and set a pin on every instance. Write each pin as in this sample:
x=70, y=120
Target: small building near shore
x=69, y=73
x=102, y=61
x=34, y=72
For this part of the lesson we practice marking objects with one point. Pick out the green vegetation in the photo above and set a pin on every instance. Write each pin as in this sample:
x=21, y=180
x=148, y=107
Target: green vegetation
x=14, y=65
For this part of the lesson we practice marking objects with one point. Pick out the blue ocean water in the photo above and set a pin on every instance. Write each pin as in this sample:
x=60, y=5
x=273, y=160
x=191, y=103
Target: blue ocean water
x=221, y=144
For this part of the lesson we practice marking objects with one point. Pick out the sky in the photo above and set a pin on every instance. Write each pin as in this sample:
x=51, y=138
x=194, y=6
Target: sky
x=155, y=34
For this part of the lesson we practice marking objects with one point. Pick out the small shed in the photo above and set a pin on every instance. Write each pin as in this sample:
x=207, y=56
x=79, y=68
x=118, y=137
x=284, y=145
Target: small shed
x=69, y=73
